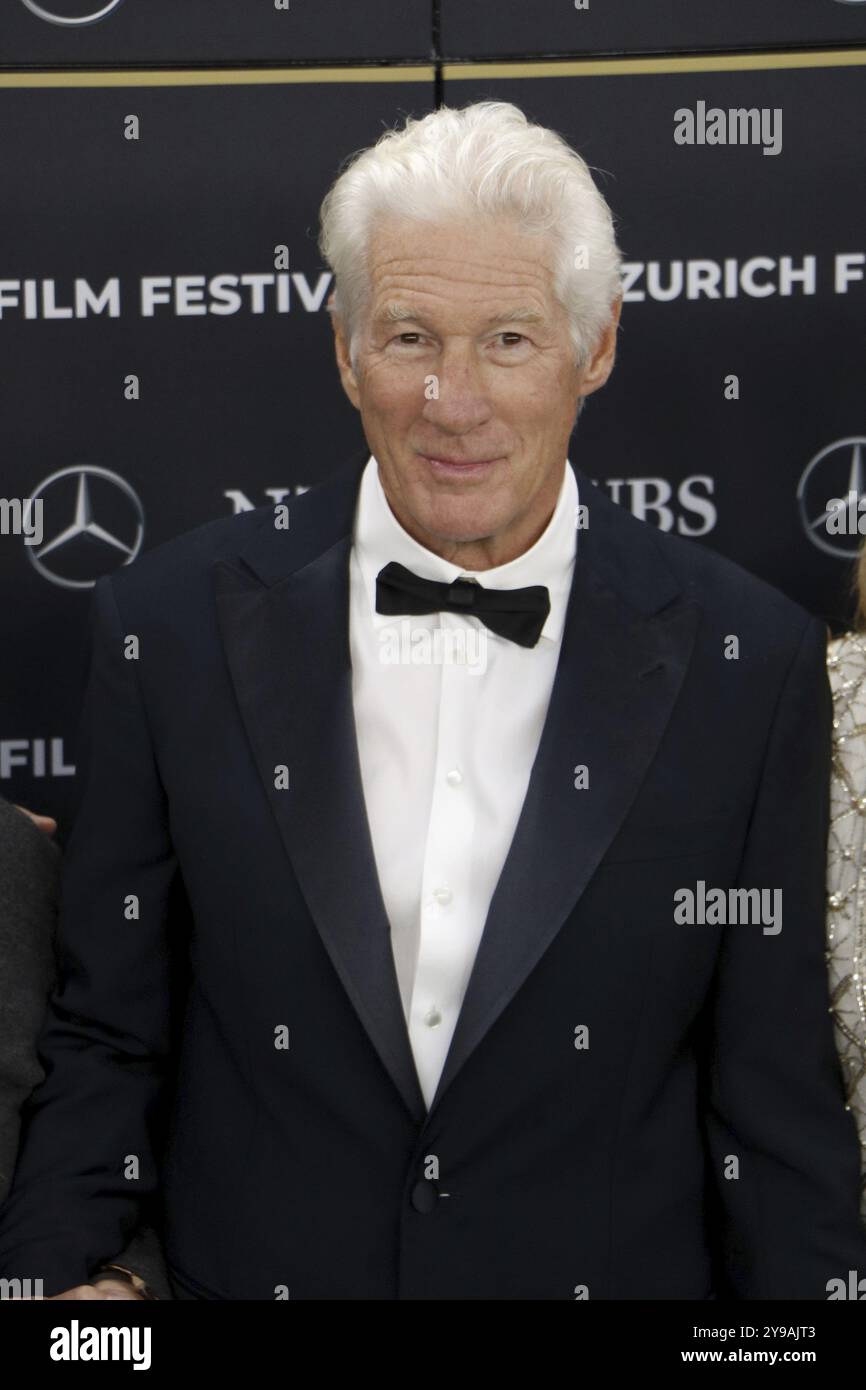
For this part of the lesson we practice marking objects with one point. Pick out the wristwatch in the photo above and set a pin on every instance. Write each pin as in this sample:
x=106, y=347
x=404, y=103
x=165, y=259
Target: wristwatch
x=127, y=1275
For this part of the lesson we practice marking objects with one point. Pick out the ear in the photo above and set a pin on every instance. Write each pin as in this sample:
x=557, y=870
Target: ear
x=599, y=368
x=344, y=366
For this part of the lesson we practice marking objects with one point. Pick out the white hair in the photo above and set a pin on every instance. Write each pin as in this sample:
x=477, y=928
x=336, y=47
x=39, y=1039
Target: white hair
x=483, y=161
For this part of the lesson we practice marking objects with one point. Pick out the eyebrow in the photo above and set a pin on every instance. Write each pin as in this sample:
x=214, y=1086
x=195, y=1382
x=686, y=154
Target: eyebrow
x=394, y=312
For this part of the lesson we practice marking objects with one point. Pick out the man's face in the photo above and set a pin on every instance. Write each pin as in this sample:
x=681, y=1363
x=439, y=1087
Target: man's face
x=469, y=398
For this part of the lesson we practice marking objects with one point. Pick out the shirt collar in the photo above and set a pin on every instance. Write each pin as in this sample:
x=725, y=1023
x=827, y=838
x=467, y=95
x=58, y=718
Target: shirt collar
x=379, y=538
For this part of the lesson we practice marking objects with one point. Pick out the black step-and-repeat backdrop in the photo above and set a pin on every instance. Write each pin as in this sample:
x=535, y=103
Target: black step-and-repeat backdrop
x=165, y=353
x=738, y=404
x=487, y=28
x=214, y=31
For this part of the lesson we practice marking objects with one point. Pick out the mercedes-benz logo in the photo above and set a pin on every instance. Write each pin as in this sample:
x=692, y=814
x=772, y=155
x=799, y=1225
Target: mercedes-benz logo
x=73, y=20
x=833, y=473
x=78, y=553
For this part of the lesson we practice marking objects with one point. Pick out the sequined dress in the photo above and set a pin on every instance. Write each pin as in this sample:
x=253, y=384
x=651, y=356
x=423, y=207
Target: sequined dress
x=846, y=870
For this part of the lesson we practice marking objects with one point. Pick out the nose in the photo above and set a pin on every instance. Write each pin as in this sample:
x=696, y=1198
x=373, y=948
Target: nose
x=458, y=401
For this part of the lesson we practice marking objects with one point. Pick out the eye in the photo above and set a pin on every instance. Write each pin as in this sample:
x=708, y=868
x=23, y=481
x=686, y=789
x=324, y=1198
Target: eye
x=519, y=336
x=401, y=338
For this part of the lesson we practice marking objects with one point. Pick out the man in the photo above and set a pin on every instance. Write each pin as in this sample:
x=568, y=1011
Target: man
x=29, y=865
x=29, y=872
x=459, y=1022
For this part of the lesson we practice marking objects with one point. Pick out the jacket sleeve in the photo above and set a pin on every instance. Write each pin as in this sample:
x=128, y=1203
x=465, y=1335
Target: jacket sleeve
x=88, y=1132
x=144, y=1256
x=783, y=1145
x=29, y=872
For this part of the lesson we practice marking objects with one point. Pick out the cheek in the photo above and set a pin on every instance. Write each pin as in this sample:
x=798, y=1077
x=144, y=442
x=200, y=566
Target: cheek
x=544, y=395
x=391, y=390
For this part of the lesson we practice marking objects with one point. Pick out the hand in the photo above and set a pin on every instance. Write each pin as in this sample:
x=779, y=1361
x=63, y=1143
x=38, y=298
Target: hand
x=105, y=1288
x=46, y=823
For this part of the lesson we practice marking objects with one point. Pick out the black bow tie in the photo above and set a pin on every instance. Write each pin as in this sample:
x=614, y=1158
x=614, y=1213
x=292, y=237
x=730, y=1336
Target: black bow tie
x=518, y=614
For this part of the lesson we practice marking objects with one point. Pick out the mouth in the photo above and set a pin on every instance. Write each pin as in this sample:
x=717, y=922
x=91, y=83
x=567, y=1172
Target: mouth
x=459, y=468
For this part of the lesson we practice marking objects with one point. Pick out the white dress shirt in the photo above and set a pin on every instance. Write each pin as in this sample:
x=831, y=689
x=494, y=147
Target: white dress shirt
x=446, y=748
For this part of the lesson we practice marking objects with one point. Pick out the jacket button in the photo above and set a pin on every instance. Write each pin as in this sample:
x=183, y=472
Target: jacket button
x=423, y=1196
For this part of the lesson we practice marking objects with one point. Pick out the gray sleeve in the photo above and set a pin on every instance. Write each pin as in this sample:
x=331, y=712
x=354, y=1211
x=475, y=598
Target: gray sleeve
x=29, y=874
x=29, y=883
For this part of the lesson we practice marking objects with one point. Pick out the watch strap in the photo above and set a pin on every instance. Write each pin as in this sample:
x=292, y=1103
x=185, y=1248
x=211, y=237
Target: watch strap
x=112, y=1271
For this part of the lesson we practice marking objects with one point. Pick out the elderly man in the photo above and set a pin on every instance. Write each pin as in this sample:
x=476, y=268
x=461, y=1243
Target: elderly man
x=454, y=1027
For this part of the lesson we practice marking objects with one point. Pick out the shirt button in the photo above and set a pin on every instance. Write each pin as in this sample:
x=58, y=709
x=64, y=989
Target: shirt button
x=454, y=777
x=433, y=1017
x=443, y=896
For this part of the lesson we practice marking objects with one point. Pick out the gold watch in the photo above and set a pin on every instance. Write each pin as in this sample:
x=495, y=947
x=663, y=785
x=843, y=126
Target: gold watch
x=127, y=1275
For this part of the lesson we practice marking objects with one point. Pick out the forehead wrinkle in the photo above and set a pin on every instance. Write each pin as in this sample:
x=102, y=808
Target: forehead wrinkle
x=394, y=311
x=502, y=272
x=418, y=298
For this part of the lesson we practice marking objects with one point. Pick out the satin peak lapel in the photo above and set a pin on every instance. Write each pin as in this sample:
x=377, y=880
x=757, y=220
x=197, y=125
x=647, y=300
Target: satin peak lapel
x=285, y=630
x=625, y=650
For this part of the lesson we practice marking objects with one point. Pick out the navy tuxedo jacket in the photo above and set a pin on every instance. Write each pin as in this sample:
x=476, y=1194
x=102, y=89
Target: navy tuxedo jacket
x=632, y=1106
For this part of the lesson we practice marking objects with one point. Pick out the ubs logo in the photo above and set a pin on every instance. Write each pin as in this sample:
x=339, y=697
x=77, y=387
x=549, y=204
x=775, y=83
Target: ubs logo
x=72, y=14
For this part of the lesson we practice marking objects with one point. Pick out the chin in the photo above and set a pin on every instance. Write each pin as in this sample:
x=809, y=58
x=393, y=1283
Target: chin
x=458, y=528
